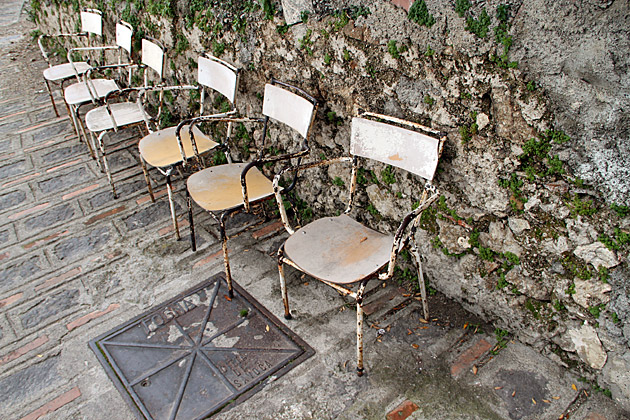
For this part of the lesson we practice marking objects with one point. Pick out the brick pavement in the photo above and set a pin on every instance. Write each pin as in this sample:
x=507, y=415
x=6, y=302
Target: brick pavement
x=75, y=263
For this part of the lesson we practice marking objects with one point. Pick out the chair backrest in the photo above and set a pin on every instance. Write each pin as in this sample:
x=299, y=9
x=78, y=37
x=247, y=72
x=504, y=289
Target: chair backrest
x=391, y=144
x=153, y=55
x=289, y=108
x=218, y=75
x=124, y=33
x=92, y=21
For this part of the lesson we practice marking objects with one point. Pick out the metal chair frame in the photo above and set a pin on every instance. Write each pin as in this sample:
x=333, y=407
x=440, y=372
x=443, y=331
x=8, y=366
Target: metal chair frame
x=152, y=57
x=405, y=233
x=91, y=25
x=124, y=34
x=270, y=110
x=209, y=77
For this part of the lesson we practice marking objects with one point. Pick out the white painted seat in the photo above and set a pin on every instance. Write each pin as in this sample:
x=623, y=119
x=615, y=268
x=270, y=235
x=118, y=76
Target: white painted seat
x=66, y=71
x=341, y=251
x=233, y=187
x=80, y=93
x=122, y=114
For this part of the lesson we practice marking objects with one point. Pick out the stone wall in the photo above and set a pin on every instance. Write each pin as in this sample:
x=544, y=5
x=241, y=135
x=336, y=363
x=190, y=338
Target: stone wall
x=531, y=229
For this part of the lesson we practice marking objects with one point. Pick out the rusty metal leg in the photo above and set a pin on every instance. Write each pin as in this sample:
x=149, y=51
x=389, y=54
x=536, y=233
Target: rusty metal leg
x=51, y=97
x=75, y=123
x=143, y=164
x=283, y=284
x=169, y=189
x=84, y=135
x=226, y=257
x=193, y=242
x=359, y=339
x=101, y=146
x=423, y=289
x=94, y=142
x=359, y=298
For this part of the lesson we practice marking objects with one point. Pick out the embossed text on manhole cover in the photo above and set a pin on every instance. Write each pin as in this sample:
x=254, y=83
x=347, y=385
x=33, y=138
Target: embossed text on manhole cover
x=195, y=354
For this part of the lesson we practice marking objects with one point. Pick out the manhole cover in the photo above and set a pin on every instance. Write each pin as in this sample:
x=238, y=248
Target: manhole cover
x=193, y=355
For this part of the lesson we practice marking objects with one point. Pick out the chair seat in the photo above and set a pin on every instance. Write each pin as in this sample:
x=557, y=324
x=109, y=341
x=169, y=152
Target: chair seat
x=219, y=187
x=78, y=93
x=160, y=149
x=125, y=113
x=338, y=249
x=64, y=71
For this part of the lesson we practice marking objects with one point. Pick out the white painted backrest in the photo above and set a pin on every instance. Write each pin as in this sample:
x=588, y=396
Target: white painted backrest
x=219, y=76
x=92, y=22
x=407, y=149
x=289, y=108
x=153, y=56
x=124, y=33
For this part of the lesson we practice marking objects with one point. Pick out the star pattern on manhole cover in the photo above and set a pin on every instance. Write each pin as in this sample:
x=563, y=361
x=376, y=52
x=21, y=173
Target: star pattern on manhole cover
x=195, y=354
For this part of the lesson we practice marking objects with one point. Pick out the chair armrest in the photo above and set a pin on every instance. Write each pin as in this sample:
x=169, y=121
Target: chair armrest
x=261, y=161
x=41, y=38
x=429, y=195
x=191, y=122
x=277, y=190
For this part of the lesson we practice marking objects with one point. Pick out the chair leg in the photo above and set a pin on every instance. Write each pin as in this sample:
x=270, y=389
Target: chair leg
x=51, y=97
x=423, y=289
x=93, y=141
x=169, y=189
x=226, y=257
x=193, y=242
x=73, y=118
x=283, y=284
x=359, y=338
x=83, y=134
x=143, y=164
x=101, y=146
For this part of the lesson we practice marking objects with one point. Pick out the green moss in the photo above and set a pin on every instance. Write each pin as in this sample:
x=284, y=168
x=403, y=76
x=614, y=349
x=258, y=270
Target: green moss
x=480, y=25
x=461, y=6
x=419, y=13
x=393, y=49
x=387, y=175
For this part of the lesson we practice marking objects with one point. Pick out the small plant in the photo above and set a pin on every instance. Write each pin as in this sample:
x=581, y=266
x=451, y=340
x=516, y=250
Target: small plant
x=419, y=13
x=603, y=273
x=393, y=49
x=559, y=306
x=282, y=29
x=531, y=86
x=581, y=207
x=346, y=55
x=486, y=254
x=619, y=240
x=461, y=6
x=372, y=210
x=464, y=134
x=429, y=52
x=428, y=100
x=571, y=289
x=306, y=42
x=327, y=59
x=480, y=25
x=387, y=175
x=268, y=9
x=501, y=336
x=596, y=310
x=304, y=14
x=622, y=211
x=615, y=317
x=338, y=182
x=182, y=44
x=218, y=48
x=243, y=313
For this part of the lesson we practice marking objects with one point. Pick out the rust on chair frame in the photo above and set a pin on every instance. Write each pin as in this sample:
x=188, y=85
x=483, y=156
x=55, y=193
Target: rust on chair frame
x=232, y=187
x=404, y=236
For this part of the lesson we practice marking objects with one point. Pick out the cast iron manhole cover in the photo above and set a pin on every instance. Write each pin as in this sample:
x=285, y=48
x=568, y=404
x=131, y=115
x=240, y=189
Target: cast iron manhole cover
x=191, y=356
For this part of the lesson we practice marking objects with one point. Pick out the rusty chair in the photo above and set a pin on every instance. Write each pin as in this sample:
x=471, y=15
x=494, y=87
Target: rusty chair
x=117, y=114
x=171, y=148
x=88, y=89
x=91, y=26
x=340, y=251
x=223, y=190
